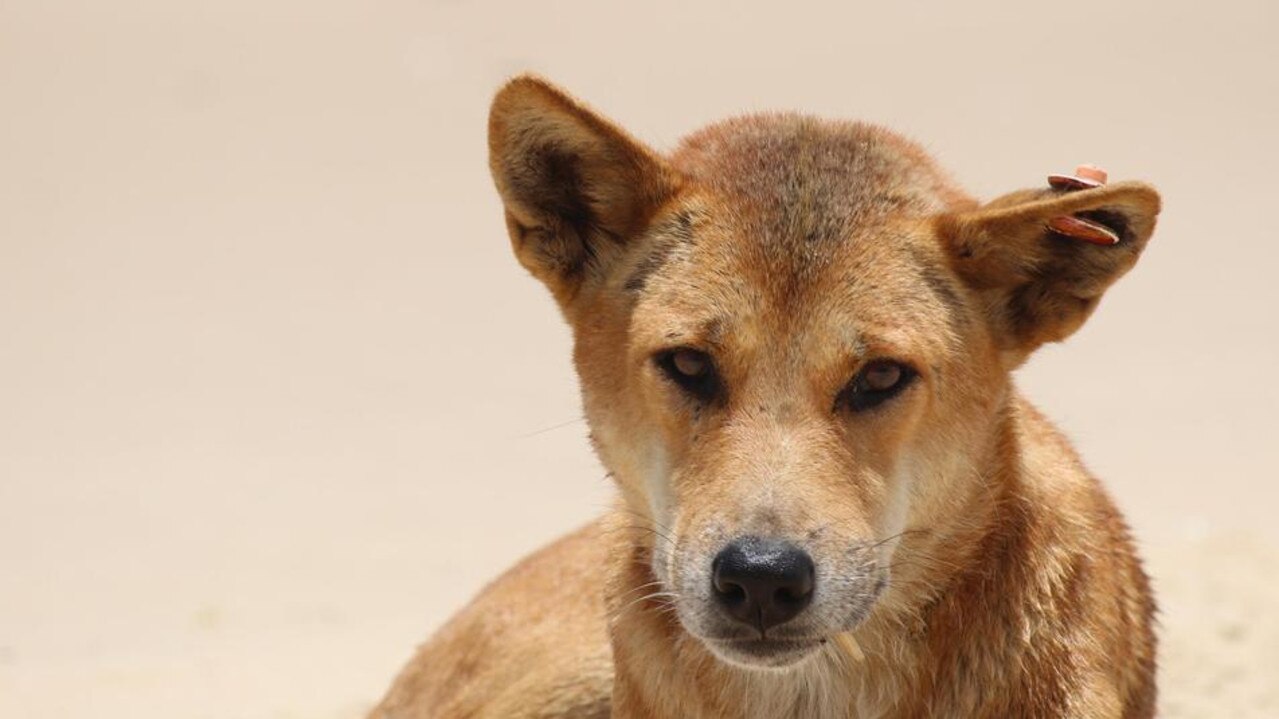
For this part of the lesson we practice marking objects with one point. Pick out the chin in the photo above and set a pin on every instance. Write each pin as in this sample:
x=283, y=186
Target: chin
x=764, y=654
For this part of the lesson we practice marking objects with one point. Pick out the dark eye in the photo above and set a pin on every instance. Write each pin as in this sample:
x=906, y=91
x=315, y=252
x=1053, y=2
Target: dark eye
x=692, y=370
x=877, y=382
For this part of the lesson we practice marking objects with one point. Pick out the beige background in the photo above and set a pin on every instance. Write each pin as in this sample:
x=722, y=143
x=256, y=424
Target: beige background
x=275, y=399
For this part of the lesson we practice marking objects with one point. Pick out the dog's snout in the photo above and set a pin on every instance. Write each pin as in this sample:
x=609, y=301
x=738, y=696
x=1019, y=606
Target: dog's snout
x=763, y=582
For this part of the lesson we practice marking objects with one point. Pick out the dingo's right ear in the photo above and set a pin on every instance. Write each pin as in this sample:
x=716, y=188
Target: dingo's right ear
x=575, y=187
x=1041, y=259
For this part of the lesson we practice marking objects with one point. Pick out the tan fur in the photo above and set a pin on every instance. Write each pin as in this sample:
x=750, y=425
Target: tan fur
x=967, y=563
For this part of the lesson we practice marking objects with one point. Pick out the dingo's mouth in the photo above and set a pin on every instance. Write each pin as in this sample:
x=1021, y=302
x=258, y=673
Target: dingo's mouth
x=764, y=653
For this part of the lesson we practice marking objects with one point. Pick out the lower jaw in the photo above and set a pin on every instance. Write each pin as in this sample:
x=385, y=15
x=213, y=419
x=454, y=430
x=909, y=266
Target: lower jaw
x=775, y=654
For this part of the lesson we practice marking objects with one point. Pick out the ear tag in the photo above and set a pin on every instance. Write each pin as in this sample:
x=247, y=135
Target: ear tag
x=1086, y=177
x=1081, y=229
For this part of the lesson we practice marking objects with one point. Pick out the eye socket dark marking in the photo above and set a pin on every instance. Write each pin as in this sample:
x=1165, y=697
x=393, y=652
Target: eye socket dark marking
x=693, y=371
x=875, y=383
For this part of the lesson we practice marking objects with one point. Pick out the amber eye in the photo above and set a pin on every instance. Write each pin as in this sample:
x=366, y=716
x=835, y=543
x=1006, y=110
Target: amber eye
x=877, y=382
x=692, y=370
x=881, y=376
x=690, y=363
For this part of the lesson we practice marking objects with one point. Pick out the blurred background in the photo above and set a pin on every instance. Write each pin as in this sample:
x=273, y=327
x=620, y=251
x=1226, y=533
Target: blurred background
x=275, y=399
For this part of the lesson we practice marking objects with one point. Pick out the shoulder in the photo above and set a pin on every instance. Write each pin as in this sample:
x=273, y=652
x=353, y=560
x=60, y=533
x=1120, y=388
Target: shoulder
x=531, y=644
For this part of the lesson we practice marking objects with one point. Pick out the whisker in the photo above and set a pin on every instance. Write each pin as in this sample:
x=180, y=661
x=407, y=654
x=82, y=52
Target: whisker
x=902, y=533
x=552, y=428
x=640, y=528
x=645, y=518
x=640, y=588
x=614, y=507
x=653, y=595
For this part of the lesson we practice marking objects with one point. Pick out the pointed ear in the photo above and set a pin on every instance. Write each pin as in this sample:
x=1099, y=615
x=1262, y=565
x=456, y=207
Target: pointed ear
x=1039, y=284
x=575, y=186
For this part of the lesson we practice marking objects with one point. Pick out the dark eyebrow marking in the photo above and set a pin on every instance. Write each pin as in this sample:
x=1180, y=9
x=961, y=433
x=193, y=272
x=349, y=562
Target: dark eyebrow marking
x=672, y=234
x=710, y=332
x=648, y=266
x=714, y=330
x=943, y=287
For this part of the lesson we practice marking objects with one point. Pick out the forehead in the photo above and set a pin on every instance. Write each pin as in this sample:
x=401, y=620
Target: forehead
x=795, y=222
x=813, y=176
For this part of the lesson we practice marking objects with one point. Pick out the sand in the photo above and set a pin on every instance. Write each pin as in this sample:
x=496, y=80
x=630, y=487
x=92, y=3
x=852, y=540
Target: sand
x=1220, y=631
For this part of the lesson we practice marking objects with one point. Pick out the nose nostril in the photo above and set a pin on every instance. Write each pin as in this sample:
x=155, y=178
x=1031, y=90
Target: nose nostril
x=792, y=595
x=731, y=594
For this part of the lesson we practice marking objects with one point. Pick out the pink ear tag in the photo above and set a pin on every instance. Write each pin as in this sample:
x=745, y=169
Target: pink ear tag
x=1086, y=177
x=1080, y=229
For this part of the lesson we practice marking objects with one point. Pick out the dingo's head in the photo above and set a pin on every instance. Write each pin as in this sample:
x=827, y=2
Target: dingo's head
x=794, y=338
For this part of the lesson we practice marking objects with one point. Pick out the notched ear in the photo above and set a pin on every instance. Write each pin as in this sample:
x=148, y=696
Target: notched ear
x=575, y=186
x=1039, y=282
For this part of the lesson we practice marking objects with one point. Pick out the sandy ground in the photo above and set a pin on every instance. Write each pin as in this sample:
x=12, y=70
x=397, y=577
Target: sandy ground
x=1220, y=634
x=275, y=399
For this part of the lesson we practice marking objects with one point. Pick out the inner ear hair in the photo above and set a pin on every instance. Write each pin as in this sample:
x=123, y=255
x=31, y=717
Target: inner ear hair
x=1040, y=285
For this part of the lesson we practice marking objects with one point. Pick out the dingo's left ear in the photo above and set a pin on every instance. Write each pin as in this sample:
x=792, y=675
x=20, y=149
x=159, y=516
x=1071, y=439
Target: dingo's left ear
x=575, y=186
x=1039, y=270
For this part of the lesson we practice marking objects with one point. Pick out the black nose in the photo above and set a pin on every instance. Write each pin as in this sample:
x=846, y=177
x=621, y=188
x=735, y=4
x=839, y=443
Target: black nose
x=762, y=582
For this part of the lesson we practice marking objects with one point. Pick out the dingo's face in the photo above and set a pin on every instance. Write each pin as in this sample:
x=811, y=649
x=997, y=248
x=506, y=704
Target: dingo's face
x=782, y=385
x=791, y=335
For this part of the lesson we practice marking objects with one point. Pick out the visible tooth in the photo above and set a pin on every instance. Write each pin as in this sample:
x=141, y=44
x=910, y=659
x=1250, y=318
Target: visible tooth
x=1081, y=229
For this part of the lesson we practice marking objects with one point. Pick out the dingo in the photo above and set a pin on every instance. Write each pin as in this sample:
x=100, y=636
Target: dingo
x=795, y=339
